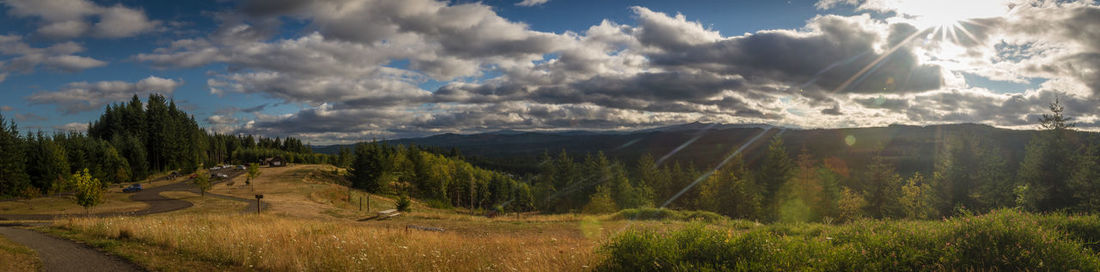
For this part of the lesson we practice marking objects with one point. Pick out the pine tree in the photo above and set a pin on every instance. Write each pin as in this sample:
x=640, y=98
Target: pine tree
x=883, y=189
x=1047, y=164
x=775, y=170
x=1085, y=181
x=13, y=170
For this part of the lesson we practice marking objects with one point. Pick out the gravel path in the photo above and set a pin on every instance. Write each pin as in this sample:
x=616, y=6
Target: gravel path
x=65, y=255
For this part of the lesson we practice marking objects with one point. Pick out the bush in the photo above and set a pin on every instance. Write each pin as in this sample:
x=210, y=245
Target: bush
x=666, y=214
x=403, y=203
x=1004, y=240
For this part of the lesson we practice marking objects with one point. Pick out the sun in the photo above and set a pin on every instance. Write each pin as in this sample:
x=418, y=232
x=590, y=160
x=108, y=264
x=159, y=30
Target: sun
x=927, y=14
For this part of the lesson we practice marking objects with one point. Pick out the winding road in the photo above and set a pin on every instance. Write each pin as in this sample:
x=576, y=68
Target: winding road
x=64, y=255
x=157, y=203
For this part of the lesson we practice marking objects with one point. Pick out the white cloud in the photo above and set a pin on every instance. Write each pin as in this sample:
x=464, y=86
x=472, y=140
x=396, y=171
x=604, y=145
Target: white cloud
x=86, y=96
x=25, y=59
x=531, y=3
x=858, y=70
x=74, y=18
x=74, y=126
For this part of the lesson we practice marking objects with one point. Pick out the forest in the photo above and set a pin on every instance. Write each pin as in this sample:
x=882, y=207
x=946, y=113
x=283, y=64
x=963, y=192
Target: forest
x=129, y=142
x=970, y=175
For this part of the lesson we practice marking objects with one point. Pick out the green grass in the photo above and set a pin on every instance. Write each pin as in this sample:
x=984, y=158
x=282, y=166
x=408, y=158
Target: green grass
x=666, y=214
x=1004, y=240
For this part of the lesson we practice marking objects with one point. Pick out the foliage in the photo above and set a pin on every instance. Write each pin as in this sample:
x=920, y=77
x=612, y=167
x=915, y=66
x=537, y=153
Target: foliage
x=202, y=180
x=667, y=214
x=918, y=198
x=1048, y=164
x=127, y=143
x=89, y=191
x=13, y=175
x=253, y=172
x=403, y=203
x=1003, y=240
x=384, y=169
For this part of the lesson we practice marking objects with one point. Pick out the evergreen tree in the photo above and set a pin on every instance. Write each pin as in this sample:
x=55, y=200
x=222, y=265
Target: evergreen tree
x=1085, y=181
x=883, y=189
x=775, y=170
x=13, y=170
x=1047, y=165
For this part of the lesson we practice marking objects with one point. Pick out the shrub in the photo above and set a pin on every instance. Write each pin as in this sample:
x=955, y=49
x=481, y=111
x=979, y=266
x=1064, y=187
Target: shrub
x=1003, y=240
x=666, y=214
x=403, y=203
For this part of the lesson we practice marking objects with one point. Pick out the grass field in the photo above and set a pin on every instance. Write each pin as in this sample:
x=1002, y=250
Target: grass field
x=311, y=226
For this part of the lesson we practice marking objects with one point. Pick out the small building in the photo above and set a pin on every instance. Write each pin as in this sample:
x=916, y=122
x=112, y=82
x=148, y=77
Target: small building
x=274, y=162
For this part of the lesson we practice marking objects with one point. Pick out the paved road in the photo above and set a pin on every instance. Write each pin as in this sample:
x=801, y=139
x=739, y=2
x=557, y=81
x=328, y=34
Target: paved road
x=64, y=255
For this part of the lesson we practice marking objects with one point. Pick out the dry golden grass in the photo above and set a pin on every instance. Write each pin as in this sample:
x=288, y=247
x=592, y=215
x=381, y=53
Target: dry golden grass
x=273, y=242
x=204, y=205
x=311, y=226
x=15, y=257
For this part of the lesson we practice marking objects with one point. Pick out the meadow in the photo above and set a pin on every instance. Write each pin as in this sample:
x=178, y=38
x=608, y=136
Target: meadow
x=312, y=227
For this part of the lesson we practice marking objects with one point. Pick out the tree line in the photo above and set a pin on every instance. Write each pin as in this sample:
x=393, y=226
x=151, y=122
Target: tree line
x=1060, y=171
x=441, y=181
x=129, y=142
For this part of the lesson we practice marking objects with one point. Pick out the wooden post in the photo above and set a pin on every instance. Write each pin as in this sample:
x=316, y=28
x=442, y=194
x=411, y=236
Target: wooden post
x=360, y=203
x=258, y=197
x=368, y=202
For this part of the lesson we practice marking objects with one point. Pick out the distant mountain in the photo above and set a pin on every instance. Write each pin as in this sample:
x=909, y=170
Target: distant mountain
x=911, y=148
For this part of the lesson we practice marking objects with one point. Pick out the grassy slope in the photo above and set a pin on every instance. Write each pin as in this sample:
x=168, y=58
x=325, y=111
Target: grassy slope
x=15, y=257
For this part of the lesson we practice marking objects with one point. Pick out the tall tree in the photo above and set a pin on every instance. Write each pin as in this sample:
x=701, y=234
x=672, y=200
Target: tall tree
x=775, y=170
x=1048, y=164
x=882, y=189
x=13, y=170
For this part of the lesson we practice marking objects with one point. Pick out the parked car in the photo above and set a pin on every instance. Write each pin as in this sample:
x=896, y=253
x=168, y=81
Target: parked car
x=136, y=187
x=242, y=167
x=193, y=176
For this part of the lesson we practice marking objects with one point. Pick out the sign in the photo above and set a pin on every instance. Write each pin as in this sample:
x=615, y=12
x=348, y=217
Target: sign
x=259, y=196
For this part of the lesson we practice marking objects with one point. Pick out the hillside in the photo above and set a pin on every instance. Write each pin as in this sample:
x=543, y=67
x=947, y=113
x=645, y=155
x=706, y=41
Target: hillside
x=911, y=148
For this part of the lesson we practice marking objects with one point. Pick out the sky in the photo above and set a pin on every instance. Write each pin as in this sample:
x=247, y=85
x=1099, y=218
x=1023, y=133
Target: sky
x=340, y=71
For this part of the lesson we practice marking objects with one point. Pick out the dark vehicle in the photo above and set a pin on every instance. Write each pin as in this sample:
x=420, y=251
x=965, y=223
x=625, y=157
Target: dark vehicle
x=133, y=188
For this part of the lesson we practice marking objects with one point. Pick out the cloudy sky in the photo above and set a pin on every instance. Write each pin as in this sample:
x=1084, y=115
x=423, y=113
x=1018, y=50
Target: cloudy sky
x=333, y=71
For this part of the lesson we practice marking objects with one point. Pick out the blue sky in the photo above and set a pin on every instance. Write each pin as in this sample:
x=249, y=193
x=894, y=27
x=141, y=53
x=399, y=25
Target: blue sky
x=338, y=71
